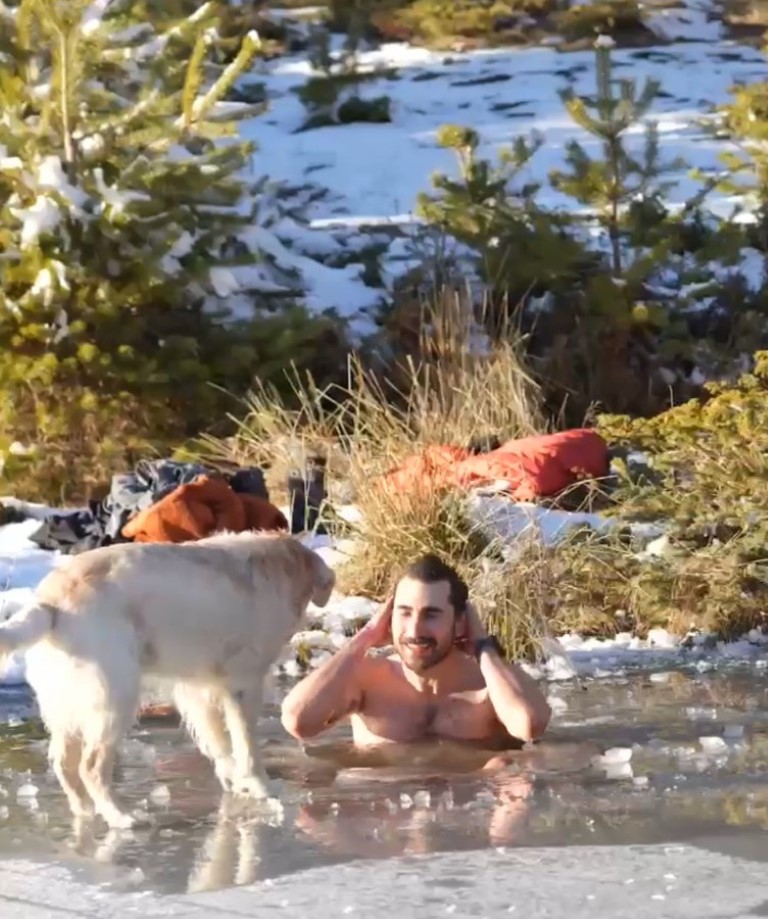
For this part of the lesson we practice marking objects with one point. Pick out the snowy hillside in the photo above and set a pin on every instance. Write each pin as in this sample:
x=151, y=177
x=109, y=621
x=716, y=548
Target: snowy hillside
x=367, y=176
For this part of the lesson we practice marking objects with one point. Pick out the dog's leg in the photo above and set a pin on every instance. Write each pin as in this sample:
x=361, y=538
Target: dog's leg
x=204, y=718
x=65, y=751
x=113, y=692
x=242, y=708
x=96, y=768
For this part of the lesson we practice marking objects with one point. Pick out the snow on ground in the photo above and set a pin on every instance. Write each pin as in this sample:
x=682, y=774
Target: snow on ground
x=372, y=174
x=376, y=171
x=696, y=20
x=22, y=566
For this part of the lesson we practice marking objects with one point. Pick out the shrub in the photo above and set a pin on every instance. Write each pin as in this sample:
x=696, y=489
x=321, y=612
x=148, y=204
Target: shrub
x=708, y=483
x=621, y=19
x=365, y=111
x=442, y=21
x=332, y=96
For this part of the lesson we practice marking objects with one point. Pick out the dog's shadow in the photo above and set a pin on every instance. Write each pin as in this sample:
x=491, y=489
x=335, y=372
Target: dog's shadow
x=229, y=855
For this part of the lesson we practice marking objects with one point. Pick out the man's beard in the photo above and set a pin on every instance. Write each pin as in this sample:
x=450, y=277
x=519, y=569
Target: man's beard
x=419, y=663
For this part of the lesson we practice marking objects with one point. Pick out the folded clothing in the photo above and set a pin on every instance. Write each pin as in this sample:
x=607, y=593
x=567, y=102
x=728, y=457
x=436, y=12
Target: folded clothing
x=201, y=508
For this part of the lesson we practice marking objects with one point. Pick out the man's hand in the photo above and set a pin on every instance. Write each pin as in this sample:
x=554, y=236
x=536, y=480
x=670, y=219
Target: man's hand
x=473, y=630
x=377, y=632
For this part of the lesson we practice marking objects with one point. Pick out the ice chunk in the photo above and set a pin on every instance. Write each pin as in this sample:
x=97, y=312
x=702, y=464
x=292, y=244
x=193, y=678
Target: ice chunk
x=422, y=799
x=160, y=794
x=661, y=638
x=617, y=771
x=27, y=790
x=662, y=677
x=557, y=705
x=614, y=756
x=714, y=744
x=558, y=664
x=292, y=668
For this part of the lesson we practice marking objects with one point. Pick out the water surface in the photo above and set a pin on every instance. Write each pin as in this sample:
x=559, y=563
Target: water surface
x=663, y=757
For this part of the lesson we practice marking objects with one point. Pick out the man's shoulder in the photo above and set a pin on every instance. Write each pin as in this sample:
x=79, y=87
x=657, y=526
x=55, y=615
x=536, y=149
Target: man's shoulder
x=378, y=668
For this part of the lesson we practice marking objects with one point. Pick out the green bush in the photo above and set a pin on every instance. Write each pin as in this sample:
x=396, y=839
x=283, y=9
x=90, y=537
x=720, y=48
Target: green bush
x=621, y=19
x=706, y=477
x=613, y=318
x=366, y=111
x=333, y=100
x=441, y=21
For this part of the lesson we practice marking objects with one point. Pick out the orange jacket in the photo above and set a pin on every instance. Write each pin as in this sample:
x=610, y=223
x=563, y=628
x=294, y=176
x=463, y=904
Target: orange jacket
x=201, y=508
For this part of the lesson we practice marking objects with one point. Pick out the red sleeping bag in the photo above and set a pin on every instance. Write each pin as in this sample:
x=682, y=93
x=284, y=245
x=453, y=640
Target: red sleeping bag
x=532, y=466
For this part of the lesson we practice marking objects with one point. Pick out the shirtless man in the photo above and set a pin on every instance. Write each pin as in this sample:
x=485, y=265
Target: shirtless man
x=446, y=680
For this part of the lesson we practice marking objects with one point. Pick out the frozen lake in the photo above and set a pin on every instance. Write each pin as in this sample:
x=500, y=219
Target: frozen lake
x=659, y=777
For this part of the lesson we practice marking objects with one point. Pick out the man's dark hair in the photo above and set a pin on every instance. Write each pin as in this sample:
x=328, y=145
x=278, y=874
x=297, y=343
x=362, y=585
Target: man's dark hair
x=430, y=569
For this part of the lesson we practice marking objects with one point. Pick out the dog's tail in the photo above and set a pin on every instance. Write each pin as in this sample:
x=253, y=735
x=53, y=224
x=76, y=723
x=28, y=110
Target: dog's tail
x=26, y=627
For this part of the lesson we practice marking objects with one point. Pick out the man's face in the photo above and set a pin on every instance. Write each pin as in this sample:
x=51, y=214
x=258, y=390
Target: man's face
x=423, y=623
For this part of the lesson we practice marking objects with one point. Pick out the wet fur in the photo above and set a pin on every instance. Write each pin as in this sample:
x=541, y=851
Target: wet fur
x=211, y=616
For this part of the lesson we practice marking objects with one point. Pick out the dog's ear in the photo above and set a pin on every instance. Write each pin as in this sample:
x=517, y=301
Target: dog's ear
x=323, y=579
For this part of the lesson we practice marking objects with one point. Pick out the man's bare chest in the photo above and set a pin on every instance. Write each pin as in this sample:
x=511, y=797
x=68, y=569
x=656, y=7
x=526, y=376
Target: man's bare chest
x=408, y=715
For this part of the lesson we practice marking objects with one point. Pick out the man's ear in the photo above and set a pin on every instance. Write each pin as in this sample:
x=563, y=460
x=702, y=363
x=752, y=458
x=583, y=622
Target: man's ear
x=460, y=625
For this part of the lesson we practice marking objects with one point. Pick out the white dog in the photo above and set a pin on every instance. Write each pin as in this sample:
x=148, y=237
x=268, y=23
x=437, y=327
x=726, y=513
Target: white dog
x=212, y=616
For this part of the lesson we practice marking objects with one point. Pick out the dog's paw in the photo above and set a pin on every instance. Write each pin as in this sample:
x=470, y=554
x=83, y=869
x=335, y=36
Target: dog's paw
x=250, y=786
x=224, y=769
x=121, y=820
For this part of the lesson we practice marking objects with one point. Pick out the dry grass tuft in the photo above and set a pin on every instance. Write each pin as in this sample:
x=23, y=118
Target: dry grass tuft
x=368, y=427
x=597, y=585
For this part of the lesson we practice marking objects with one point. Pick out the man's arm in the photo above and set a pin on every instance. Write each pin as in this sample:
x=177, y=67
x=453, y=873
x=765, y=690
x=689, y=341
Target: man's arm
x=518, y=702
x=336, y=688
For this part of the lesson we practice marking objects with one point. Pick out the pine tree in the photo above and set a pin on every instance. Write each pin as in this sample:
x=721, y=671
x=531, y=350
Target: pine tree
x=491, y=208
x=745, y=120
x=611, y=184
x=130, y=246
